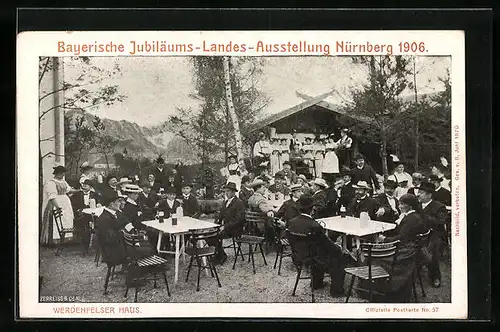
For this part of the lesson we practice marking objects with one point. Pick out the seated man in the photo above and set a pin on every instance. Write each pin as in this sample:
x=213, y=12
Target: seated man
x=320, y=198
x=245, y=191
x=131, y=209
x=232, y=219
x=388, y=210
x=108, y=227
x=170, y=204
x=147, y=200
x=258, y=202
x=441, y=194
x=190, y=205
x=290, y=209
x=81, y=200
x=331, y=257
x=346, y=194
x=279, y=187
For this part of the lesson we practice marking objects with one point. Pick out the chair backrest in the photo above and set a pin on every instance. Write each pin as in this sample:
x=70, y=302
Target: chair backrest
x=380, y=250
x=302, y=246
x=129, y=241
x=253, y=219
x=57, y=215
x=199, y=237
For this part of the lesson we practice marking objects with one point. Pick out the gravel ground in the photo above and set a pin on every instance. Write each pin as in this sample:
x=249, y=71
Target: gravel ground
x=72, y=274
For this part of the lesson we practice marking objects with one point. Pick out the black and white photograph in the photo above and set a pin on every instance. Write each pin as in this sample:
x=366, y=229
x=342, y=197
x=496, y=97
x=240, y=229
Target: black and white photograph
x=245, y=179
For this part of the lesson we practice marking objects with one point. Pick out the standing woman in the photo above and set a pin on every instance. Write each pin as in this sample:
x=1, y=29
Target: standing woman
x=331, y=162
x=56, y=193
x=284, y=152
x=86, y=170
x=402, y=179
x=318, y=151
x=232, y=171
x=344, y=148
x=274, y=159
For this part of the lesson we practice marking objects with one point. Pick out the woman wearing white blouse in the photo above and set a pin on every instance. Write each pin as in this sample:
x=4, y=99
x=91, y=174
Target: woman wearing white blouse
x=56, y=193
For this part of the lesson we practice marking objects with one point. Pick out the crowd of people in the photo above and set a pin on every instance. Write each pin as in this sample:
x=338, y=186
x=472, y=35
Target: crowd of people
x=289, y=198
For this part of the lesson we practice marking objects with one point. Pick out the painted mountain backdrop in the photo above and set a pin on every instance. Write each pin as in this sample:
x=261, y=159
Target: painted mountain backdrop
x=142, y=141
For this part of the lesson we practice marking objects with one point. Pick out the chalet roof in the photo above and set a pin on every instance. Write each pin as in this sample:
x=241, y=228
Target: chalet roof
x=319, y=100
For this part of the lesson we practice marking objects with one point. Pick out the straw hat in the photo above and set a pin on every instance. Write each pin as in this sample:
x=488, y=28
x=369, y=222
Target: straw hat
x=131, y=188
x=361, y=185
x=320, y=182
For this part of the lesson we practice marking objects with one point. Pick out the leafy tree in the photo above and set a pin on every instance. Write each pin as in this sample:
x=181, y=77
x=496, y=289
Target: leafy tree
x=378, y=101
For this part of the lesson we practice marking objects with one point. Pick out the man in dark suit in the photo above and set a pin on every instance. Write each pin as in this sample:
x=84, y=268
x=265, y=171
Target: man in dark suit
x=435, y=217
x=81, y=200
x=388, y=210
x=290, y=209
x=190, y=205
x=346, y=191
x=160, y=173
x=362, y=202
x=108, y=227
x=330, y=257
x=170, y=204
x=440, y=194
x=363, y=172
x=245, y=191
x=147, y=201
x=320, y=198
x=417, y=179
x=232, y=219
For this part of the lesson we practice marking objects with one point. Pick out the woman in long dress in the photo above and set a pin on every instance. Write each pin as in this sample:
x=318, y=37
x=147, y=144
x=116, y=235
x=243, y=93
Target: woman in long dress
x=232, y=171
x=56, y=193
x=330, y=162
x=274, y=159
x=318, y=151
x=284, y=152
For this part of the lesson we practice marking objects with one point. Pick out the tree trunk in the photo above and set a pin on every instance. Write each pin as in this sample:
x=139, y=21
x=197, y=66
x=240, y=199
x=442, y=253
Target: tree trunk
x=232, y=111
x=417, y=125
x=383, y=155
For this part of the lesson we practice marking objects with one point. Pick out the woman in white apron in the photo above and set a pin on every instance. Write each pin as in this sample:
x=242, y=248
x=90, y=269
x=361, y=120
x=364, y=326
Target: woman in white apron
x=403, y=179
x=284, y=152
x=330, y=162
x=274, y=159
x=232, y=171
x=318, y=151
x=56, y=193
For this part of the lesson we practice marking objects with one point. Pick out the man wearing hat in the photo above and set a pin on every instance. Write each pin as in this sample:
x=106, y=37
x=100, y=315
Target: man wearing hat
x=131, y=209
x=302, y=180
x=417, y=179
x=441, y=194
x=160, y=173
x=231, y=217
x=290, y=209
x=330, y=256
x=290, y=175
x=190, y=205
x=346, y=194
x=279, y=186
x=245, y=191
x=147, y=200
x=362, y=202
x=320, y=198
x=169, y=204
x=258, y=201
x=388, y=210
x=435, y=217
x=363, y=172
x=81, y=200
x=108, y=227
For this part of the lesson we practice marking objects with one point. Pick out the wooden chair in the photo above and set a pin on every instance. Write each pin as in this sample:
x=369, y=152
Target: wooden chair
x=61, y=230
x=372, y=272
x=422, y=242
x=111, y=264
x=304, y=256
x=199, y=249
x=282, y=247
x=253, y=219
x=139, y=268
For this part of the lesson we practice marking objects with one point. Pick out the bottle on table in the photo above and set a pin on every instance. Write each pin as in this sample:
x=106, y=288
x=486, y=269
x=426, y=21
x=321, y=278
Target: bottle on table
x=174, y=219
x=179, y=212
x=342, y=211
x=161, y=216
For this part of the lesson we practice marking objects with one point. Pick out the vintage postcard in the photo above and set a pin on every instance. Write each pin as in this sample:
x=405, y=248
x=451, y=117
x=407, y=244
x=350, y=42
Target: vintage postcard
x=242, y=174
